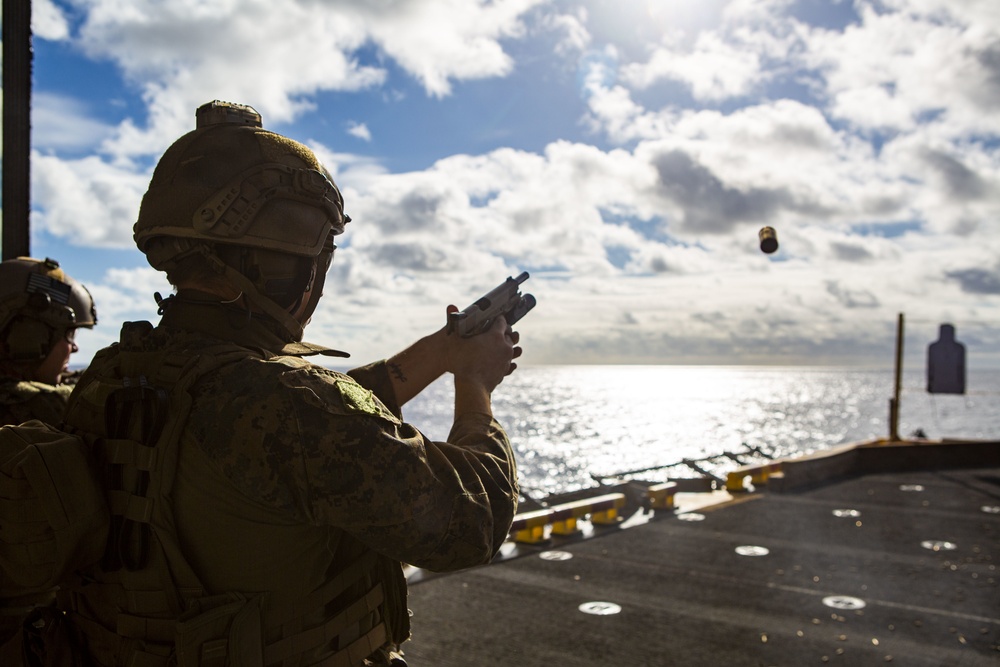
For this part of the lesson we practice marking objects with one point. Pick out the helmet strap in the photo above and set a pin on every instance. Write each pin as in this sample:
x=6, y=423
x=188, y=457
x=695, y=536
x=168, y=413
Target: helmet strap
x=253, y=295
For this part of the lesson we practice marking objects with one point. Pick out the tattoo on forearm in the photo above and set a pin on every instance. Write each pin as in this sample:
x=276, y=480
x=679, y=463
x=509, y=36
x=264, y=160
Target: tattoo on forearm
x=396, y=371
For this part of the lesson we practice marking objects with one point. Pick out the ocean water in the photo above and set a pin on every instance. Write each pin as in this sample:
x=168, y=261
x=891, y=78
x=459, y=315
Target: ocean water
x=572, y=424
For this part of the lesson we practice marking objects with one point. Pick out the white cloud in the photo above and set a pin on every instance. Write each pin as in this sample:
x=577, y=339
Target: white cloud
x=770, y=163
x=895, y=70
x=183, y=53
x=61, y=123
x=735, y=59
x=974, y=12
x=437, y=41
x=903, y=63
x=359, y=130
x=957, y=185
x=470, y=219
x=612, y=110
x=86, y=201
x=573, y=27
x=48, y=21
x=888, y=71
x=714, y=71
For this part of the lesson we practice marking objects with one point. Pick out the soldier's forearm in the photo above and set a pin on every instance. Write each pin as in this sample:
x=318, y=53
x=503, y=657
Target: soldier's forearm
x=416, y=367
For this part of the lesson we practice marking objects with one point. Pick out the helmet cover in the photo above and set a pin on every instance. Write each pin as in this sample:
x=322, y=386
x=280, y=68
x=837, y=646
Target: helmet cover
x=246, y=199
x=231, y=182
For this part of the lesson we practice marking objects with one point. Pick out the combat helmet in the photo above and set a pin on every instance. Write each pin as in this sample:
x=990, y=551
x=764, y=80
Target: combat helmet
x=38, y=304
x=257, y=206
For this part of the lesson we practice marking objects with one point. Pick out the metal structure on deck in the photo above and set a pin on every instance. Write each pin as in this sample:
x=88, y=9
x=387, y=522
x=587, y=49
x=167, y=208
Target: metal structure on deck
x=17, y=55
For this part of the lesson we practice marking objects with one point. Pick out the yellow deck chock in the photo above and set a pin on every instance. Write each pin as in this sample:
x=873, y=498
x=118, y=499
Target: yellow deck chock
x=661, y=496
x=758, y=474
x=530, y=527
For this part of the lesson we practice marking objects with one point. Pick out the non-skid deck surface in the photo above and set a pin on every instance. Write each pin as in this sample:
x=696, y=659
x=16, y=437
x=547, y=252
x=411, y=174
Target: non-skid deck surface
x=883, y=569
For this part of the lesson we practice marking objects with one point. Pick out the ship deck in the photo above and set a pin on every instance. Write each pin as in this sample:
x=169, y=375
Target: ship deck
x=853, y=557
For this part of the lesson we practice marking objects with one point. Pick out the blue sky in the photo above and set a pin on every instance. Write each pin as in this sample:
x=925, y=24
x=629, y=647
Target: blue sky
x=624, y=152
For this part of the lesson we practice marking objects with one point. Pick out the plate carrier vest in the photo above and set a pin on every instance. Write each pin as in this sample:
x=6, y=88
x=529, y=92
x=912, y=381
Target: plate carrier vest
x=143, y=606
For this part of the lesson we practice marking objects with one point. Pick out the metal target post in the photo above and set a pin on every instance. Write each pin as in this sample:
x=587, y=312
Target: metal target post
x=894, y=401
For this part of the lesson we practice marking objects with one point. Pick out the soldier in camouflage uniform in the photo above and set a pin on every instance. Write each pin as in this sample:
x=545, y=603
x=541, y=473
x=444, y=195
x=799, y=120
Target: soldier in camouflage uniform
x=271, y=526
x=40, y=310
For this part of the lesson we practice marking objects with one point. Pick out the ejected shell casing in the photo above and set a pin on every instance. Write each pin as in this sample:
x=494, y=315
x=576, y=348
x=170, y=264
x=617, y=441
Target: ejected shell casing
x=768, y=240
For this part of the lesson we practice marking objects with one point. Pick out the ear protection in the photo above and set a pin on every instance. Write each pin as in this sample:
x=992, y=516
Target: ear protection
x=36, y=328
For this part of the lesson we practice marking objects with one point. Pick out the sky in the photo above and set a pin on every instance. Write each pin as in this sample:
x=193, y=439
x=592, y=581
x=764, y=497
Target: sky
x=625, y=153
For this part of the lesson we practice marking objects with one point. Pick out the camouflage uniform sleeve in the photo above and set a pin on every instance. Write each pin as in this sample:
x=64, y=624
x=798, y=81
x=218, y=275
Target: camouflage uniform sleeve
x=335, y=455
x=437, y=505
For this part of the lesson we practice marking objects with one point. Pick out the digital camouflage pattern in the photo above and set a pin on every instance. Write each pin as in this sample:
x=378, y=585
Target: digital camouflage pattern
x=21, y=400
x=290, y=474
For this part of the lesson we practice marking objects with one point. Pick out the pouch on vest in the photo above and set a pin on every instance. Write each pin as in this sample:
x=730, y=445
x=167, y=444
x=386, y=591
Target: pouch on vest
x=53, y=513
x=221, y=631
x=50, y=641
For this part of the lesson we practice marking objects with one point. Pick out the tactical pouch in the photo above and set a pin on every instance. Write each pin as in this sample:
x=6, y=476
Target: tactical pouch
x=53, y=514
x=221, y=631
